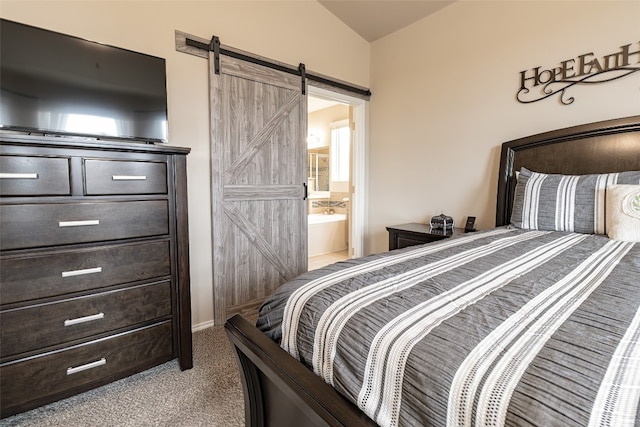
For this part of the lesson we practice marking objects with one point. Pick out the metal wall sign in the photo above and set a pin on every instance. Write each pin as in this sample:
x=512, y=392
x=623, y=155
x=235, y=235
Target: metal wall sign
x=537, y=83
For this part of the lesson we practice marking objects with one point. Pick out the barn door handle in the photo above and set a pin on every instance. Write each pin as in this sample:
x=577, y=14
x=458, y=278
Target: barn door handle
x=304, y=185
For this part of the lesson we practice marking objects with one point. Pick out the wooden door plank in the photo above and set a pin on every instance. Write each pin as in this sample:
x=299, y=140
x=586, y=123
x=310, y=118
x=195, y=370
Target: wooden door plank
x=218, y=229
x=254, y=236
x=262, y=192
x=258, y=73
x=261, y=138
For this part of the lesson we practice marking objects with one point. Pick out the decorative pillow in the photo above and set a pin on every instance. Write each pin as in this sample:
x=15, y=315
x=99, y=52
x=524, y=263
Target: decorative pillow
x=623, y=212
x=557, y=202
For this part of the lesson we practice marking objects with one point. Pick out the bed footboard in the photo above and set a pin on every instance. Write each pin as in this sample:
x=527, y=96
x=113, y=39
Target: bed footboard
x=279, y=390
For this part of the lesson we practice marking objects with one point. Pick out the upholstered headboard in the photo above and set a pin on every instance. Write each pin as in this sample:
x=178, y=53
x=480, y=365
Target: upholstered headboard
x=608, y=146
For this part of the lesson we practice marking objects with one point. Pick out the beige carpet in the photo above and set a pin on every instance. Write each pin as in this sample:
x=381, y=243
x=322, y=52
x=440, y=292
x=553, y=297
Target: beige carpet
x=210, y=394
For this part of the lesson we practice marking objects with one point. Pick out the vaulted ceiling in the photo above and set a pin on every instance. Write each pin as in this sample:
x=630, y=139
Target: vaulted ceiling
x=373, y=19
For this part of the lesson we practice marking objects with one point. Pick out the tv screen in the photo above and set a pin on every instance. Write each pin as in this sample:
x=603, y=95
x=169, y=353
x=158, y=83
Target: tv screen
x=52, y=83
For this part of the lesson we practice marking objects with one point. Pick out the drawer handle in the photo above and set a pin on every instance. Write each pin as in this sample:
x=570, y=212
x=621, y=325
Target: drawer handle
x=78, y=223
x=128, y=177
x=85, y=319
x=7, y=175
x=91, y=365
x=84, y=271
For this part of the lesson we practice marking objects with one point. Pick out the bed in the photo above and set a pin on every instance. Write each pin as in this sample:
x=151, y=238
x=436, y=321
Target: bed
x=533, y=324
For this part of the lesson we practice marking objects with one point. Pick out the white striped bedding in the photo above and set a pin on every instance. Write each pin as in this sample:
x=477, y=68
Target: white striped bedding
x=501, y=328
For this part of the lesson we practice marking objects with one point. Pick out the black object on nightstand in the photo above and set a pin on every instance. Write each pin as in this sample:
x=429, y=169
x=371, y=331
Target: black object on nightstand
x=403, y=235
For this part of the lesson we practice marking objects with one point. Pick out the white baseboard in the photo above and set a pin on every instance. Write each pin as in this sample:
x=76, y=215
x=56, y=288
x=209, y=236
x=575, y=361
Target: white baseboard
x=201, y=326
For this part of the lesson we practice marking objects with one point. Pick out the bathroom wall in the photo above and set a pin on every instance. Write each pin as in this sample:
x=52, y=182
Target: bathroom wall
x=335, y=202
x=319, y=124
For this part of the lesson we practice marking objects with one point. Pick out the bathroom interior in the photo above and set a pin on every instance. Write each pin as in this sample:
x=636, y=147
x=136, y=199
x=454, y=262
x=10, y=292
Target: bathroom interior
x=328, y=179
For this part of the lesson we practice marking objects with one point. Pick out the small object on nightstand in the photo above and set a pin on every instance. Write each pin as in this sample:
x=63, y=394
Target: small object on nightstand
x=442, y=222
x=468, y=227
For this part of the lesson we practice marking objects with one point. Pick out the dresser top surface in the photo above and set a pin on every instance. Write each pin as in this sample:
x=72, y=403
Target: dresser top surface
x=89, y=143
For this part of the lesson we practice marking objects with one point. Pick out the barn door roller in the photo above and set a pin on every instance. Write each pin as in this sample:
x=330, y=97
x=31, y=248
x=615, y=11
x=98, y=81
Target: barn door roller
x=214, y=46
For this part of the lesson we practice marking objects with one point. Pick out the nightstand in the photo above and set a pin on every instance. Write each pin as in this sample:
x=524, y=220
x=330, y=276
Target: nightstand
x=403, y=235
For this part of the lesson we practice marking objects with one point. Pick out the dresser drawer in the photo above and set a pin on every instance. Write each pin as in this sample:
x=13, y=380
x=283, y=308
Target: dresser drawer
x=44, y=379
x=35, y=225
x=40, y=326
x=34, y=176
x=30, y=277
x=124, y=177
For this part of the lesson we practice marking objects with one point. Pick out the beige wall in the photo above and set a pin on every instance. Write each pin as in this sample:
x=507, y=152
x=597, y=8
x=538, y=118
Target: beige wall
x=288, y=31
x=444, y=100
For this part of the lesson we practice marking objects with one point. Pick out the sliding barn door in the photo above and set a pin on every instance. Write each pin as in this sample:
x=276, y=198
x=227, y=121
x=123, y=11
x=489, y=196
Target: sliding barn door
x=258, y=172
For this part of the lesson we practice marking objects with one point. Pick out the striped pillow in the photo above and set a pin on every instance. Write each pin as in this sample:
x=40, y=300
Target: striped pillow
x=573, y=203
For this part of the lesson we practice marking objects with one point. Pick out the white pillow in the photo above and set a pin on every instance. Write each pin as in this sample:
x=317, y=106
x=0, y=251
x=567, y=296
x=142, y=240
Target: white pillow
x=623, y=212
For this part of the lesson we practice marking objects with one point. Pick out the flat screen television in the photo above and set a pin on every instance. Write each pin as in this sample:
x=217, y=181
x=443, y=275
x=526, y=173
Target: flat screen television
x=52, y=83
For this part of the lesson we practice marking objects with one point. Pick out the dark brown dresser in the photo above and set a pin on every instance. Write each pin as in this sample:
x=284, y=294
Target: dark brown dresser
x=94, y=265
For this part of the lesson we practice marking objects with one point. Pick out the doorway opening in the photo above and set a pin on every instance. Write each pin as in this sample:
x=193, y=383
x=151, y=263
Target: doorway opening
x=336, y=176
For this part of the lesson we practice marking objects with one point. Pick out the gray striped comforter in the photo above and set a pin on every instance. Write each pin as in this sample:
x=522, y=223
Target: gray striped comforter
x=505, y=327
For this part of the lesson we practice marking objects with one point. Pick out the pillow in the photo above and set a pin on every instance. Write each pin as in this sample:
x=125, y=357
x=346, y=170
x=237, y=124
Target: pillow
x=557, y=202
x=623, y=212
